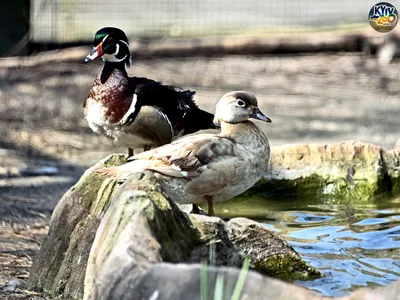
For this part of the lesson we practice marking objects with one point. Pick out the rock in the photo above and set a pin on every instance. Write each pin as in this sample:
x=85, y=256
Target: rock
x=391, y=160
x=346, y=171
x=164, y=281
x=389, y=292
x=180, y=282
x=139, y=229
x=187, y=208
x=239, y=238
x=12, y=285
x=59, y=267
x=212, y=232
x=273, y=256
x=107, y=236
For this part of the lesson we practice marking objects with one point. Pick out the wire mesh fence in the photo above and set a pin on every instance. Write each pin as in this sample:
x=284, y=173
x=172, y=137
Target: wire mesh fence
x=71, y=20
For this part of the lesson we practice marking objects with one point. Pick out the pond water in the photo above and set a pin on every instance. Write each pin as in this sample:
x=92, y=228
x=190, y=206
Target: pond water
x=354, y=245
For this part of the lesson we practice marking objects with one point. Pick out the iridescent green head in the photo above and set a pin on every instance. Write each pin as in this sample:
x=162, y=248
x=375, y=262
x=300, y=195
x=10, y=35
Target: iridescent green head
x=112, y=45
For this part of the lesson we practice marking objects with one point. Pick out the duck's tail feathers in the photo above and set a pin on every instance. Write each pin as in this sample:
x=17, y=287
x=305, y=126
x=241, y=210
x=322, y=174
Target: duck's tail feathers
x=186, y=99
x=187, y=95
x=198, y=119
x=120, y=173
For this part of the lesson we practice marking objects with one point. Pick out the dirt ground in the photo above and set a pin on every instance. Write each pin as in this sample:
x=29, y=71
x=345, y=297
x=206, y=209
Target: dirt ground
x=310, y=98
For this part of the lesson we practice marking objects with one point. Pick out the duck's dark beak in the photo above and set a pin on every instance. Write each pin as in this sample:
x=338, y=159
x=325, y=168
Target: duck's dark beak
x=257, y=114
x=95, y=53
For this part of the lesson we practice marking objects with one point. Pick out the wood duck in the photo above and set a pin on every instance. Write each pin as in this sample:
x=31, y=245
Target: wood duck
x=208, y=168
x=136, y=112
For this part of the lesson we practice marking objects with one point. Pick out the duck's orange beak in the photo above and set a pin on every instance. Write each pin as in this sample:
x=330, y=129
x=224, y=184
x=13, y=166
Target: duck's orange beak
x=95, y=53
x=257, y=114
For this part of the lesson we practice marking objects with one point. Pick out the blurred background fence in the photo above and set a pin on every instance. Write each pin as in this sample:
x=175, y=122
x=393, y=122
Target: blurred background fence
x=25, y=22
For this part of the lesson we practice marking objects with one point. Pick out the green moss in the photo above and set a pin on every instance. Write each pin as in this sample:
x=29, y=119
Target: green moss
x=287, y=267
x=173, y=229
x=394, y=176
x=324, y=186
x=159, y=200
x=206, y=231
x=114, y=160
x=88, y=192
x=104, y=196
x=94, y=189
x=177, y=236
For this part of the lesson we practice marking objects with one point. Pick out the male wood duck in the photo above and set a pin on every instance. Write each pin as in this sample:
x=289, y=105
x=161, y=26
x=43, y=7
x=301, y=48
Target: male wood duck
x=136, y=112
x=208, y=168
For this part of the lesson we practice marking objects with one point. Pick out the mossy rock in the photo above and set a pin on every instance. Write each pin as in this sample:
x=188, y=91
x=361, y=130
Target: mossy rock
x=273, y=256
x=103, y=234
x=347, y=172
x=59, y=267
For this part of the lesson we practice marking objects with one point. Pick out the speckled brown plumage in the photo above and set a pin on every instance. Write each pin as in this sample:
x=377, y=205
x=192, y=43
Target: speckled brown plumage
x=114, y=94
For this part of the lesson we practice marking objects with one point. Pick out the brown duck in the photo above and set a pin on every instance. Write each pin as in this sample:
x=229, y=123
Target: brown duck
x=136, y=112
x=208, y=168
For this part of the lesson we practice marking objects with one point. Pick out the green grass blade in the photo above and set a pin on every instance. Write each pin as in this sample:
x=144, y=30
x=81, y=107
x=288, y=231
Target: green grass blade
x=219, y=288
x=203, y=281
x=212, y=254
x=240, y=282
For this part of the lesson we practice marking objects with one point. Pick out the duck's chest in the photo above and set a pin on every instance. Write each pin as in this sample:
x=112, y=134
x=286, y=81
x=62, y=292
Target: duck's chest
x=107, y=102
x=96, y=114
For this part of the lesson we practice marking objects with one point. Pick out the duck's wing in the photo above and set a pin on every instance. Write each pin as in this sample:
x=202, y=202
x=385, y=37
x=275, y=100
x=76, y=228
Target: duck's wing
x=170, y=101
x=184, y=158
x=210, y=163
x=153, y=93
x=176, y=104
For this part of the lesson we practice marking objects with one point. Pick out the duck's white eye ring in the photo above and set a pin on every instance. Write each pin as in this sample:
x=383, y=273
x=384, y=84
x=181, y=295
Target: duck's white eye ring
x=241, y=103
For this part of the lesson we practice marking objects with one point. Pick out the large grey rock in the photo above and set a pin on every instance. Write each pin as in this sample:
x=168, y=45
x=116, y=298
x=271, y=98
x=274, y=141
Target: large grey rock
x=165, y=281
x=59, y=267
x=128, y=228
x=139, y=229
x=241, y=238
x=389, y=292
x=180, y=282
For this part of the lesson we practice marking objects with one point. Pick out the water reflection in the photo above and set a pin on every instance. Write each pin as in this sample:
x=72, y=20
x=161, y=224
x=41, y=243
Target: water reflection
x=353, y=245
